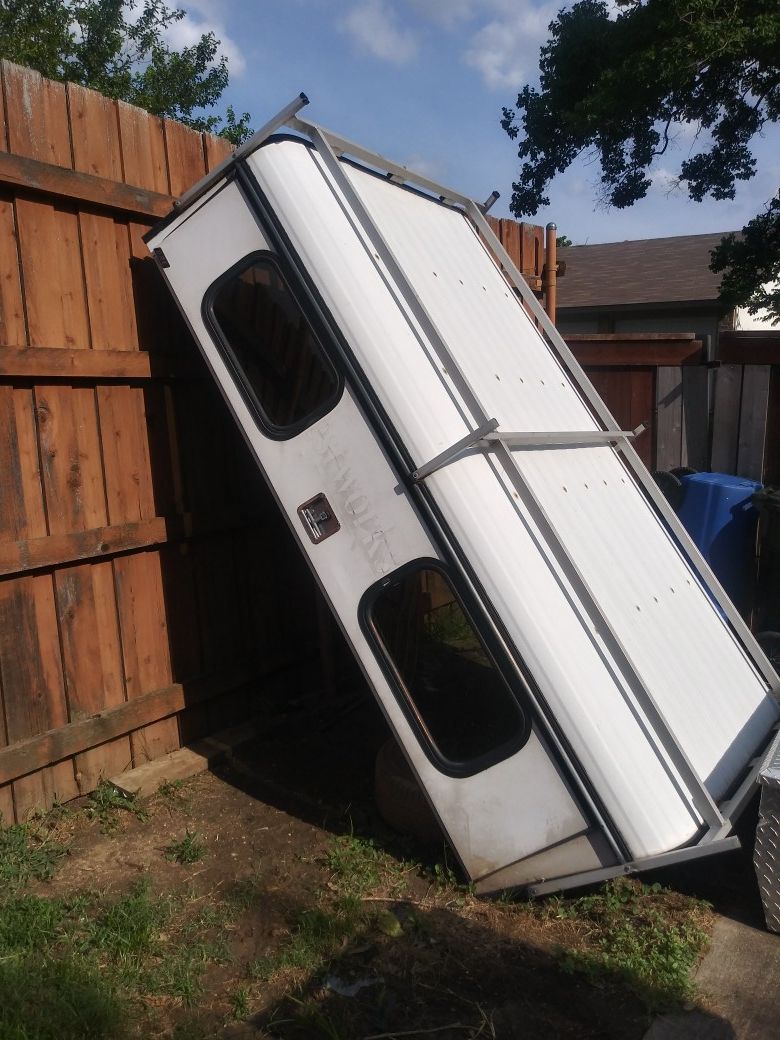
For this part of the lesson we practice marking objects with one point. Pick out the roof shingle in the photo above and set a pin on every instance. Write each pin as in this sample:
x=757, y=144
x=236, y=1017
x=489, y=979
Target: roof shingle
x=649, y=270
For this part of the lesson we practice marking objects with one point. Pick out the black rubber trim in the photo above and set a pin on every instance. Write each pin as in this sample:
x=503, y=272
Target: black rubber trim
x=272, y=430
x=404, y=696
x=446, y=543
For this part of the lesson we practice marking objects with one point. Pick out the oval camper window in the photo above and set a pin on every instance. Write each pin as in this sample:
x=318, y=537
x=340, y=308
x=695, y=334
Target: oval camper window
x=451, y=688
x=268, y=342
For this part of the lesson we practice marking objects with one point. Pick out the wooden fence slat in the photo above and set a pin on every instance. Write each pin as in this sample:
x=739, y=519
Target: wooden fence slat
x=695, y=418
x=53, y=278
x=75, y=493
x=217, y=149
x=21, y=494
x=110, y=302
x=94, y=131
x=6, y=805
x=668, y=418
x=125, y=454
x=92, y=661
x=13, y=327
x=725, y=418
x=143, y=149
x=753, y=422
x=37, y=115
x=186, y=162
x=145, y=648
x=33, y=689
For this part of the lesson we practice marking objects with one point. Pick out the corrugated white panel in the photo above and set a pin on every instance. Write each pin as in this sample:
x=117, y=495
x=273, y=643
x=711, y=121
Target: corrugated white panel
x=696, y=672
x=380, y=531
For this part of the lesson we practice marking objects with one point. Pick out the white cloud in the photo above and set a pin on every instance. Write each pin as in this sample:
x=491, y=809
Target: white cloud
x=446, y=13
x=374, y=27
x=204, y=16
x=506, y=49
x=664, y=181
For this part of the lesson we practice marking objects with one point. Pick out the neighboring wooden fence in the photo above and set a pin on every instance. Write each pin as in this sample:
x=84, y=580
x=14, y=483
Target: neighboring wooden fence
x=746, y=419
x=146, y=580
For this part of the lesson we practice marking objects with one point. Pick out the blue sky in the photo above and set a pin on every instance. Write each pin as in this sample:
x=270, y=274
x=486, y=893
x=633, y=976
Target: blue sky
x=424, y=81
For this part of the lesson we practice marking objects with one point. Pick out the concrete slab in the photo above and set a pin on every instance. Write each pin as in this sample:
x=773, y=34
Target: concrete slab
x=738, y=982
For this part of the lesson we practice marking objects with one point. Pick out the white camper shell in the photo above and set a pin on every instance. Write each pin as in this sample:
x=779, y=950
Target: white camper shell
x=572, y=688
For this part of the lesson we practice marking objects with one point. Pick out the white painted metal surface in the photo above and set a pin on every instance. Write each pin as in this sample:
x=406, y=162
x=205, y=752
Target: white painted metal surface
x=685, y=658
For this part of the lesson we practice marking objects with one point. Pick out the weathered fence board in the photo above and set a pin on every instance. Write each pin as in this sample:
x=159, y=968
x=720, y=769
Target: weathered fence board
x=123, y=485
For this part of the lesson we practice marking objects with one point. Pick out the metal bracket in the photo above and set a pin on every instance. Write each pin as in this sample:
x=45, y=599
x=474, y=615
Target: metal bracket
x=471, y=440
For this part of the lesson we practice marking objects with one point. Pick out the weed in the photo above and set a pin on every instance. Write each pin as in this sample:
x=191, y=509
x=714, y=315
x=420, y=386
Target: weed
x=27, y=854
x=359, y=867
x=245, y=893
x=107, y=801
x=239, y=1003
x=128, y=931
x=645, y=935
x=190, y=849
x=171, y=791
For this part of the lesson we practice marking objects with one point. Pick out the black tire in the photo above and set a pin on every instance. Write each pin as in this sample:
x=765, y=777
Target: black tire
x=683, y=471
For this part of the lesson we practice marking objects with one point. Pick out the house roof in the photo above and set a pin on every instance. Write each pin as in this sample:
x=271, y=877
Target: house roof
x=645, y=271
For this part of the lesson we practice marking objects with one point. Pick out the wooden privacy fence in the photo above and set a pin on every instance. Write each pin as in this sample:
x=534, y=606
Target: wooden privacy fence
x=144, y=573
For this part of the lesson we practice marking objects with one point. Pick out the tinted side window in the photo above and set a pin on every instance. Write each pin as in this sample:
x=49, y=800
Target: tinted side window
x=272, y=347
x=452, y=686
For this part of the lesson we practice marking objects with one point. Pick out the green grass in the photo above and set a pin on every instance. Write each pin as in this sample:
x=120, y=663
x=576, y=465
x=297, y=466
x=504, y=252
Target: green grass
x=75, y=968
x=57, y=999
x=27, y=853
x=108, y=802
x=239, y=1003
x=644, y=936
x=188, y=849
x=314, y=937
x=359, y=866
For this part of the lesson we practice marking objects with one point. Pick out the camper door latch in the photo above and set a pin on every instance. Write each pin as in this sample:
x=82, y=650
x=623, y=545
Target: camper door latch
x=318, y=519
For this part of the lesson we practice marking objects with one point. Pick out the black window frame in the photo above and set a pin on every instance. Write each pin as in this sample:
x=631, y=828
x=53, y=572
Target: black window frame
x=271, y=430
x=496, y=654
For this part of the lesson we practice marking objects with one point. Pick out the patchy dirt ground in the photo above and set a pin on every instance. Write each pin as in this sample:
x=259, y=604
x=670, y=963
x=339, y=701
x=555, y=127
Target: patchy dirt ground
x=275, y=903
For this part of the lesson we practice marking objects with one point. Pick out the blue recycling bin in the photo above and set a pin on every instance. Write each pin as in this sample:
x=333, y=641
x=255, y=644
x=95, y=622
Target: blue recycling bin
x=718, y=512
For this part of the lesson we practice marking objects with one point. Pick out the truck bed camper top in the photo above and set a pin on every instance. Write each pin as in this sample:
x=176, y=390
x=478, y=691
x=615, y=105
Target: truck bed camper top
x=574, y=691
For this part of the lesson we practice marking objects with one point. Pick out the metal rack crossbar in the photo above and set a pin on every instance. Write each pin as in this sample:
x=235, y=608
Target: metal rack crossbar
x=488, y=434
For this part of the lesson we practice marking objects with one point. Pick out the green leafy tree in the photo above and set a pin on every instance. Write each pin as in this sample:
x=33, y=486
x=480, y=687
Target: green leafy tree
x=621, y=86
x=119, y=48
